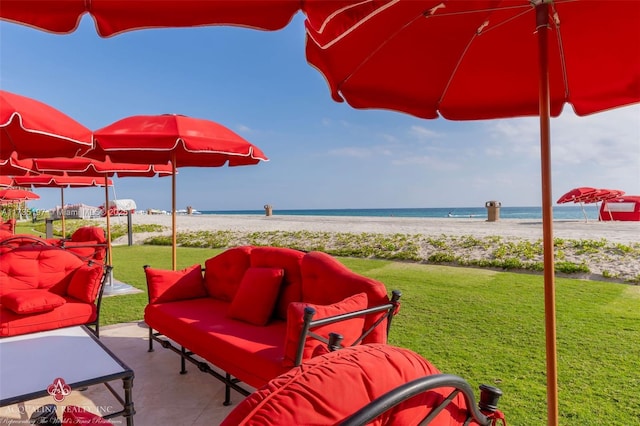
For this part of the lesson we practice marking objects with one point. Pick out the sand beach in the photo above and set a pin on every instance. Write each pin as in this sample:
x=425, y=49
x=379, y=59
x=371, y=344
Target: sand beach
x=625, y=265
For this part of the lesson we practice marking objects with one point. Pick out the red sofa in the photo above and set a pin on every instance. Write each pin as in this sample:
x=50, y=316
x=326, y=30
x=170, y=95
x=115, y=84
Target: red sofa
x=259, y=311
x=45, y=287
x=7, y=227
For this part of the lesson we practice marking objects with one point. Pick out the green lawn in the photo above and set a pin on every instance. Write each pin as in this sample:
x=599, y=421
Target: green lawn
x=485, y=326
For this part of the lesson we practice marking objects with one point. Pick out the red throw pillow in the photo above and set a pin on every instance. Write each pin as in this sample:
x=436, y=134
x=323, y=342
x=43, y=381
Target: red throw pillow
x=256, y=296
x=85, y=283
x=350, y=329
x=31, y=301
x=167, y=286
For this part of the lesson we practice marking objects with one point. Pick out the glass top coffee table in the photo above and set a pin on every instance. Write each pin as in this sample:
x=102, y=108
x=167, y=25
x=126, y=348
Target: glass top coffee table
x=57, y=361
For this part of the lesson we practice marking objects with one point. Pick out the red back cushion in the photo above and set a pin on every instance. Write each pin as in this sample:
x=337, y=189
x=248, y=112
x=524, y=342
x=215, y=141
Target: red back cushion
x=329, y=388
x=37, y=267
x=89, y=233
x=325, y=280
x=85, y=283
x=223, y=273
x=166, y=286
x=256, y=297
x=350, y=329
x=289, y=260
x=31, y=301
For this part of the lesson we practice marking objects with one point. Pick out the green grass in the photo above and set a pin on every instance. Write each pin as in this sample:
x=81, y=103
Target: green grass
x=485, y=326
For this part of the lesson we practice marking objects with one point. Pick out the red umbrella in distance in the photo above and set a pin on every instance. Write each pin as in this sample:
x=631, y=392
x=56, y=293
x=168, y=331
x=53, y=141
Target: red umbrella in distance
x=112, y=17
x=62, y=182
x=483, y=59
x=13, y=195
x=576, y=194
x=81, y=166
x=30, y=128
x=182, y=140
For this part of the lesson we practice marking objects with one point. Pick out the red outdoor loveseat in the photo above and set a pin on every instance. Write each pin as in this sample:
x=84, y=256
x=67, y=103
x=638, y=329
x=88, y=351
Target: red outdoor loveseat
x=43, y=287
x=259, y=311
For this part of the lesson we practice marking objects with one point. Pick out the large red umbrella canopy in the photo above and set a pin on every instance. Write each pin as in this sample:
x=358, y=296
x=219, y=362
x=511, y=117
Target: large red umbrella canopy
x=483, y=59
x=185, y=141
x=30, y=128
x=115, y=16
x=6, y=181
x=182, y=140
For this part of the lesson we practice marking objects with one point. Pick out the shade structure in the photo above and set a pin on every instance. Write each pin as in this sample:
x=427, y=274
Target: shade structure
x=5, y=181
x=62, y=182
x=14, y=167
x=483, y=59
x=184, y=141
x=112, y=17
x=30, y=128
x=14, y=195
x=577, y=195
x=80, y=166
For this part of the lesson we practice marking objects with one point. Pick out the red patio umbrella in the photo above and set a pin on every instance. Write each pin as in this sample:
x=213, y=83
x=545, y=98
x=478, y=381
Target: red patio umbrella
x=115, y=16
x=30, y=128
x=5, y=181
x=80, y=166
x=16, y=196
x=62, y=182
x=578, y=195
x=483, y=59
x=184, y=141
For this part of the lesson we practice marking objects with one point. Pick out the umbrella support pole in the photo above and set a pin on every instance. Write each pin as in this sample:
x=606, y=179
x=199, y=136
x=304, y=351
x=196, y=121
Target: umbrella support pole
x=113, y=286
x=542, y=25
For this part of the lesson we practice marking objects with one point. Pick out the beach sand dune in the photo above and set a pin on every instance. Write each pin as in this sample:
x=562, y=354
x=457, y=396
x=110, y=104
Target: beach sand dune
x=610, y=263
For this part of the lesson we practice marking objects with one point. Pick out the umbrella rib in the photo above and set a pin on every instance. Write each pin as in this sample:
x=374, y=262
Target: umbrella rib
x=563, y=62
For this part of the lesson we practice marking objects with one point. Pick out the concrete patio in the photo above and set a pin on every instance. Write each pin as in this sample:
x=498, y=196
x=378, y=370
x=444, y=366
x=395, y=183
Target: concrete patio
x=161, y=395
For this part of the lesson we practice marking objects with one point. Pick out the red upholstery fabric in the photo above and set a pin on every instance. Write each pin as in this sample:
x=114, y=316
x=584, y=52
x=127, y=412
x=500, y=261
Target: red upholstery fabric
x=350, y=329
x=8, y=226
x=289, y=260
x=73, y=415
x=329, y=388
x=224, y=272
x=31, y=301
x=85, y=283
x=37, y=267
x=85, y=237
x=256, y=297
x=73, y=312
x=166, y=286
x=325, y=280
x=253, y=354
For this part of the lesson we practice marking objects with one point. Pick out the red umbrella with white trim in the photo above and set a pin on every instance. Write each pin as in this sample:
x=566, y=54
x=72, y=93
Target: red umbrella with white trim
x=183, y=141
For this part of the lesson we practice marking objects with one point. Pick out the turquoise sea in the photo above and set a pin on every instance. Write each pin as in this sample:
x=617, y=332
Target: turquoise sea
x=565, y=212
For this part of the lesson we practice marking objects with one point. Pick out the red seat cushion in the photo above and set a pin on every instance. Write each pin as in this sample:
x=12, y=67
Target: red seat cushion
x=31, y=301
x=350, y=329
x=165, y=286
x=74, y=415
x=331, y=387
x=256, y=297
x=223, y=273
x=85, y=283
x=73, y=312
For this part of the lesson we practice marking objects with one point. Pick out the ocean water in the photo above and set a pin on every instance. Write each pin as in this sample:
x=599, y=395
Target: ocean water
x=565, y=212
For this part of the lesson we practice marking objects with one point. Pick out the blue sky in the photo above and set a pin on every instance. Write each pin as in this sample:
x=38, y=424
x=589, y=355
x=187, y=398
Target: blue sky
x=322, y=154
